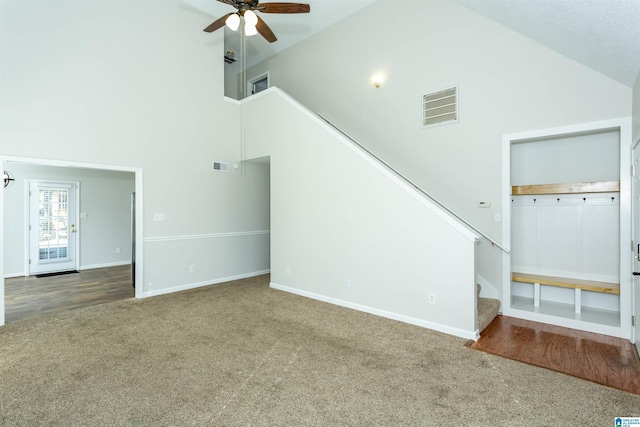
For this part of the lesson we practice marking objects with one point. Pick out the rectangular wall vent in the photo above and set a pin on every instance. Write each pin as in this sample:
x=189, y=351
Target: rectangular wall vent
x=440, y=107
x=220, y=166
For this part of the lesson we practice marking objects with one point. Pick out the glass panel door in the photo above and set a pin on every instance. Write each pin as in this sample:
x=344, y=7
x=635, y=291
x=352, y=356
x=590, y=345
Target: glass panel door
x=52, y=228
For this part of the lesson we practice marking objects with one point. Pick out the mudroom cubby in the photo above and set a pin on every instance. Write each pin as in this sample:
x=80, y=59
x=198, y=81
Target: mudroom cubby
x=565, y=228
x=565, y=259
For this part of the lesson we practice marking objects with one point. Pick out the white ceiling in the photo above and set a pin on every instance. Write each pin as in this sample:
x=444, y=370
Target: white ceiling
x=601, y=34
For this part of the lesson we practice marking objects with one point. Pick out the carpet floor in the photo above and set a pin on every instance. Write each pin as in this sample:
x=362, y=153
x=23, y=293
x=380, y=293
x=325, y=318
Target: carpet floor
x=242, y=354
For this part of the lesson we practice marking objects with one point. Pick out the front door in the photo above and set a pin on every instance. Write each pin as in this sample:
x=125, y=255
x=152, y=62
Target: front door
x=635, y=205
x=53, y=230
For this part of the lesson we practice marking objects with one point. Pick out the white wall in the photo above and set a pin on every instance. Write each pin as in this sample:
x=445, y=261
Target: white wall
x=138, y=84
x=583, y=158
x=508, y=83
x=343, y=231
x=636, y=109
x=105, y=196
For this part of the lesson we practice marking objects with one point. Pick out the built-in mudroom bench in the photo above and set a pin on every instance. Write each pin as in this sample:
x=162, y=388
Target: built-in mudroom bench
x=566, y=250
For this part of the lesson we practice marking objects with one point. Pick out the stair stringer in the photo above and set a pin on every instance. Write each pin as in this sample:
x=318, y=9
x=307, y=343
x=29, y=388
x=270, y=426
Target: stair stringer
x=346, y=230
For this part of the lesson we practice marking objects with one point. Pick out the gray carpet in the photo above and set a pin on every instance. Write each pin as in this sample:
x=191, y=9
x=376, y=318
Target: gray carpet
x=242, y=354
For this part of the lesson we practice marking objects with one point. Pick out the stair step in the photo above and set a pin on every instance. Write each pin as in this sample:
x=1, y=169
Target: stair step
x=488, y=309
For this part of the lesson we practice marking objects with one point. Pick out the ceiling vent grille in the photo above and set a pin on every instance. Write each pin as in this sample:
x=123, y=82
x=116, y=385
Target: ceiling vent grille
x=440, y=107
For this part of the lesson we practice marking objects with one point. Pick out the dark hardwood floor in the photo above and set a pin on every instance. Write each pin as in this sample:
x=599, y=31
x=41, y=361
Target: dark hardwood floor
x=599, y=358
x=30, y=296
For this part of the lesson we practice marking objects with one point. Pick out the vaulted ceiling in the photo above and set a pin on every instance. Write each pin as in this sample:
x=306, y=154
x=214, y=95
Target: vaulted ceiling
x=601, y=34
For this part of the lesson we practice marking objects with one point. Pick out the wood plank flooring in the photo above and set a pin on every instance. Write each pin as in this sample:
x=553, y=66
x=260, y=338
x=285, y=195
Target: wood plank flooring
x=599, y=358
x=30, y=296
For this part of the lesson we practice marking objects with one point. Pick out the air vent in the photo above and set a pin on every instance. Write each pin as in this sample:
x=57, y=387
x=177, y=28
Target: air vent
x=220, y=166
x=440, y=107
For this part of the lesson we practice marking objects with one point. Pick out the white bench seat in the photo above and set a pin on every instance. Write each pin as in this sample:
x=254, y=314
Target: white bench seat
x=563, y=282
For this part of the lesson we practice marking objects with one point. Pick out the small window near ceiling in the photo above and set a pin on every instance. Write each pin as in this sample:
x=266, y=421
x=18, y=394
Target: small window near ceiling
x=440, y=107
x=258, y=84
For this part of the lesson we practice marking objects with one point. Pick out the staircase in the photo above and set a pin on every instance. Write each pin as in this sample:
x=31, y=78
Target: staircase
x=487, y=310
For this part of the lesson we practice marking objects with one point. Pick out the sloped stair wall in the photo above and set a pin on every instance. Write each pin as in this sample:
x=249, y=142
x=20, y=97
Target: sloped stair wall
x=347, y=231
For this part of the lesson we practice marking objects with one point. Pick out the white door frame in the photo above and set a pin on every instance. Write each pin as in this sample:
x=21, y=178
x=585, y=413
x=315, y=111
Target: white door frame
x=635, y=306
x=28, y=213
x=623, y=125
x=62, y=163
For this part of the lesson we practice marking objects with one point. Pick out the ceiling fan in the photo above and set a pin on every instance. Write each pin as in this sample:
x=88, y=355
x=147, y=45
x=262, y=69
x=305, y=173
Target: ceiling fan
x=253, y=23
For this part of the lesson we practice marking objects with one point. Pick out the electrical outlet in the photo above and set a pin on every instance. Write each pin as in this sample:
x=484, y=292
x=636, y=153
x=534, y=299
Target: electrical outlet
x=288, y=271
x=117, y=250
x=192, y=268
x=348, y=283
x=432, y=298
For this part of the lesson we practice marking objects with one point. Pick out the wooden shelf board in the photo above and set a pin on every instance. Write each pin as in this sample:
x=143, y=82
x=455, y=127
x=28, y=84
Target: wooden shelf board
x=568, y=188
x=563, y=282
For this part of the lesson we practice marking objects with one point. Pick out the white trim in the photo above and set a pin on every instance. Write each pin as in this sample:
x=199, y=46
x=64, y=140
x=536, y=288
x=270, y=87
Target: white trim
x=206, y=236
x=382, y=313
x=64, y=163
x=635, y=308
x=231, y=100
x=622, y=125
x=204, y=283
x=104, y=265
x=448, y=218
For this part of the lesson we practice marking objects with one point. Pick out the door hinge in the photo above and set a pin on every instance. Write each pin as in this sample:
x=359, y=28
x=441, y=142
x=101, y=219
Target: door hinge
x=633, y=320
x=29, y=262
x=633, y=170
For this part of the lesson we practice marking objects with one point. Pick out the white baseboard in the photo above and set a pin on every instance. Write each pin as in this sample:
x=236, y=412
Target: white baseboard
x=382, y=313
x=188, y=286
x=105, y=265
x=11, y=275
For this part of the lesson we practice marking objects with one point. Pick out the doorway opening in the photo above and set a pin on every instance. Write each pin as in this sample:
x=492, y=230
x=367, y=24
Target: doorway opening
x=101, y=223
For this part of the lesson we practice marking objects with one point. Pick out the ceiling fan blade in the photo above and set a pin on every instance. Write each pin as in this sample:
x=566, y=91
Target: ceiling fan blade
x=228, y=2
x=283, y=8
x=218, y=23
x=265, y=31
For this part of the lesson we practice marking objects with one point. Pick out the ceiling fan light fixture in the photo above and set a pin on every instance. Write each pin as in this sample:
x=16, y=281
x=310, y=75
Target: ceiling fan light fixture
x=233, y=21
x=250, y=30
x=250, y=18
